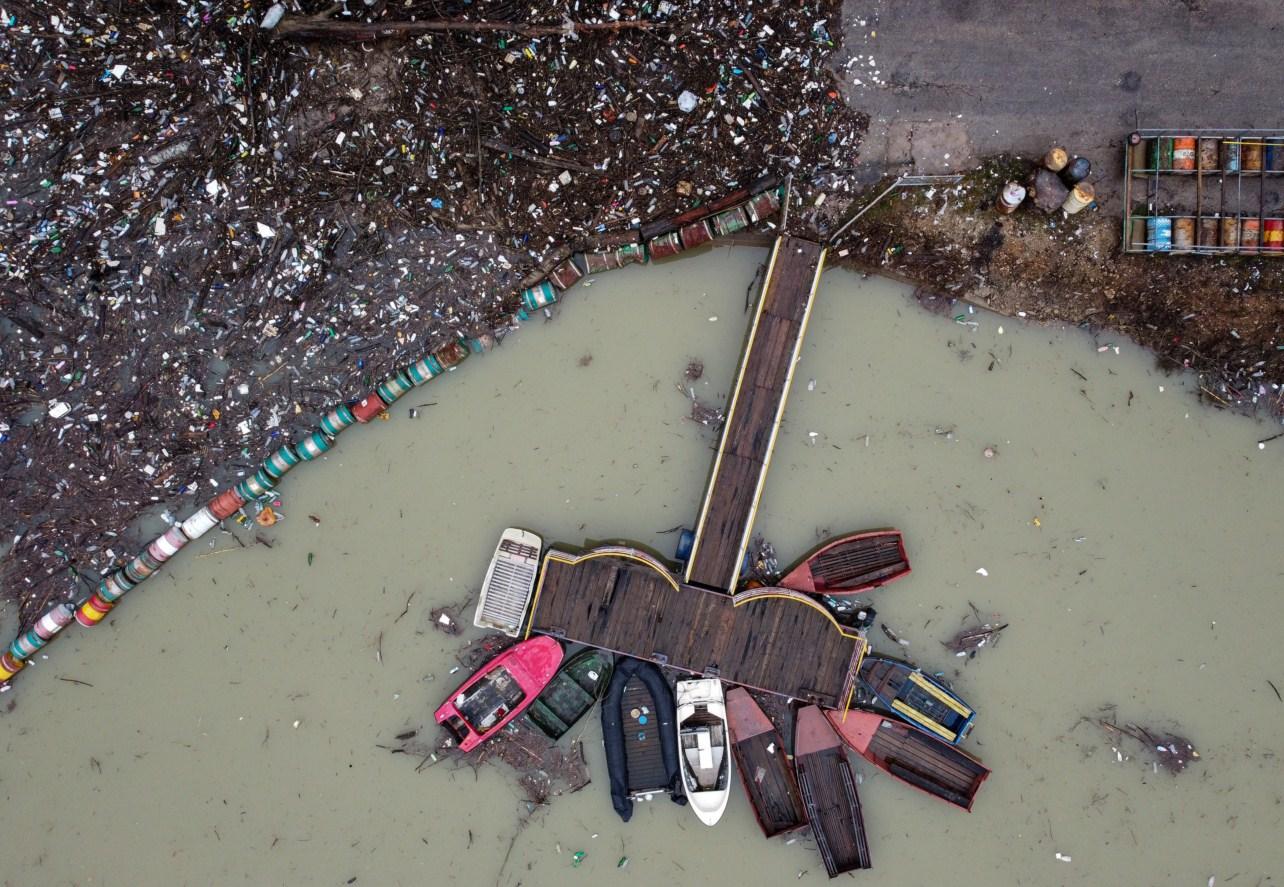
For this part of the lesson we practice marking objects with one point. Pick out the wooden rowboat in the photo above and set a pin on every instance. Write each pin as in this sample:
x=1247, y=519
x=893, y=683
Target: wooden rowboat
x=851, y=564
x=912, y=755
x=829, y=794
x=575, y=689
x=765, y=771
x=914, y=696
x=499, y=691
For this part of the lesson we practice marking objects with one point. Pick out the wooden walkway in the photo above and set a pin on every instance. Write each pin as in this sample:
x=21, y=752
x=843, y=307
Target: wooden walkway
x=626, y=601
x=753, y=418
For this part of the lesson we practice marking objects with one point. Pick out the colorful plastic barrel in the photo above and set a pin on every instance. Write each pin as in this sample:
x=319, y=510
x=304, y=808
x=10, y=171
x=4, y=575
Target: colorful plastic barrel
x=335, y=421
x=256, y=485
x=764, y=205
x=365, y=409
x=481, y=344
x=1184, y=153
x=113, y=586
x=695, y=234
x=285, y=458
x=565, y=274
x=1251, y=155
x=393, y=388
x=9, y=666
x=48, y=625
x=665, y=245
x=226, y=504
x=199, y=524
x=1273, y=236
x=1010, y=198
x=1230, y=155
x=1230, y=233
x=92, y=611
x=1159, y=233
x=167, y=545
x=1183, y=234
x=1161, y=154
x=141, y=567
x=313, y=446
x=1250, y=235
x=541, y=295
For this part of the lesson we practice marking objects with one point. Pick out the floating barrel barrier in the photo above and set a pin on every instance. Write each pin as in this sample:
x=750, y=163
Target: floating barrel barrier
x=226, y=504
x=1251, y=155
x=1208, y=232
x=539, y=296
x=730, y=222
x=365, y=409
x=632, y=253
x=92, y=611
x=695, y=234
x=1183, y=234
x=313, y=446
x=1273, y=235
x=1159, y=233
x=1250, y=235
x=49, y=625
x=596, y=263
x=1208, y=155
x=199, y=524
x=285, y=458
x=1230, y=232
x=335, y=421
x=479, y=345
x=763, y=205
x=665, y=245
x=113, y=586
x=256, y=485
x=424, y=370
x=1184, y=153
x=167, y=545
x=451, y=355
x=391, y=390
x=9, y=666
x=565, y=274
x=1230, y=155
x=140, y=568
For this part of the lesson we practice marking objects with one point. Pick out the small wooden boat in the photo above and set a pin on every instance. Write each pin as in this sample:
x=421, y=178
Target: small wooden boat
x=510, y=579
x=639, y=735
x=705, y=747
x=851, y=565
x=829, y=794
x=765, y=771
x=912, y=755
x=499, y=691
x=914, y=696
x=576, y=688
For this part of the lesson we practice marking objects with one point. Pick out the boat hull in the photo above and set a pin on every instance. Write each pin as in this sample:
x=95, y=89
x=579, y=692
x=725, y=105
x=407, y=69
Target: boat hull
x=576, y=688
x=640, y=737
x=851, y=564
x=500, y=690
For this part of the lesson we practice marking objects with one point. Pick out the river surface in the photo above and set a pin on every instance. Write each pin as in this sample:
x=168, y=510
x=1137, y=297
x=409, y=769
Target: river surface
x=239, y=701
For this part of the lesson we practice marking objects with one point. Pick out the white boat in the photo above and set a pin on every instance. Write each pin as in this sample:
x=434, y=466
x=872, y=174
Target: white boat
x=510, y=579
x=704, y=743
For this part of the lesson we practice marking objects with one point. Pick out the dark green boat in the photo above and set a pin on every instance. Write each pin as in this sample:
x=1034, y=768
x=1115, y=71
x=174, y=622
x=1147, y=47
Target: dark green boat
x=576, y=688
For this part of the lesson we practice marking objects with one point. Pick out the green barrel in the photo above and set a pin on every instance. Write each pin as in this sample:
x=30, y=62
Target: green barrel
x=730, y=222
x=392, y=389
x=631, y=252
x=313, y=446
x=480, y=345
x=116, y=584
x=337, y=419
x=539, y=296
x=284, y=459
x=258, y=484
x=425, y=370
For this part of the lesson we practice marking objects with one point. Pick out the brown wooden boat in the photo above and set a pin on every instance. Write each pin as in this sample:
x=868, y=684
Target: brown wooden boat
x=851, y=564
x=765, y=771
x=912, y=755
x=829, y=793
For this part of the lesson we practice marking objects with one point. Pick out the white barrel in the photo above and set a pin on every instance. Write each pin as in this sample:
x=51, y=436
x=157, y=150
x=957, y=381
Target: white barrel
x=167, y=545
x=54, y=621
x=199, y=524
x=1079, y=198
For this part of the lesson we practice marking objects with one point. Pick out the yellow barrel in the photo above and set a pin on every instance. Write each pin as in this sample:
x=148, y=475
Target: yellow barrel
x=1079, y=198
x=92, y=611
x=1251, y=155
x=9, y=666
x=1056, y=159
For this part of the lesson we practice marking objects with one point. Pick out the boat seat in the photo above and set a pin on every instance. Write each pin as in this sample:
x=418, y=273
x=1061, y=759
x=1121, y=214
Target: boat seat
x=704, y=748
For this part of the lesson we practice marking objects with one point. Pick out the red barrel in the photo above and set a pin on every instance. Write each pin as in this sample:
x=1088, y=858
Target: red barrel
x=695, y=234
x=92, y=611
x=10, y=665
x=665, y=245
x=596, y=263
x=225, y=504
x=368, y=408
x=452, y=354
x=565, y=274
x=1273, y=236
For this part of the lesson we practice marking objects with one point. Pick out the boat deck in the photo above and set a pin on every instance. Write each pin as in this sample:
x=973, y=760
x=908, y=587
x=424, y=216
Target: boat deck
x=829, y=795
x=768, y=781
x=753, y=418
x=626, y=601
x=934, y=767
x=642, y=741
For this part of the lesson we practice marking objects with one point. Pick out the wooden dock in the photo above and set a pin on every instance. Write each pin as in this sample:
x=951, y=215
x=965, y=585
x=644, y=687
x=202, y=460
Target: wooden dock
x=753, y=417
x=627, y=601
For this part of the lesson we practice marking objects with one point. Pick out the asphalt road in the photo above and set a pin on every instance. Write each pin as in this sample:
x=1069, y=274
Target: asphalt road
x=953, y=80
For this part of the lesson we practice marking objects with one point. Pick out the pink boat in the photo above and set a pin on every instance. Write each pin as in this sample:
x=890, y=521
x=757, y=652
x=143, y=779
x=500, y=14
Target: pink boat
x=499, y=691
x=851, y=564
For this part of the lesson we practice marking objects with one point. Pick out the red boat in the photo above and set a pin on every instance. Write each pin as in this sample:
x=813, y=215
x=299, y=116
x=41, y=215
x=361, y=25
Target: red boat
x=766, y=773
x=912, y=755
x=829, y=794
x=499, y=691
x=851, y=564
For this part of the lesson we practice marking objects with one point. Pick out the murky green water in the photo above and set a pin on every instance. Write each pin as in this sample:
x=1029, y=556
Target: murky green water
x=239, y=699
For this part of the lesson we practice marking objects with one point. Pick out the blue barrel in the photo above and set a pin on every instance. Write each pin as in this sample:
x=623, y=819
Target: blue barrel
x=1230, y=155
x=393, y=388
x=284, y=459
x=539, y=296
x=425, y=370
x=337, y=419
x=313, y=446
x=686, y=539
x=1159, y=234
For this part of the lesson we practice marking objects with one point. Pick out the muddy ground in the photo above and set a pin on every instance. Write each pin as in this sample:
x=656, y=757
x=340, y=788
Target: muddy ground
x=213, y=234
